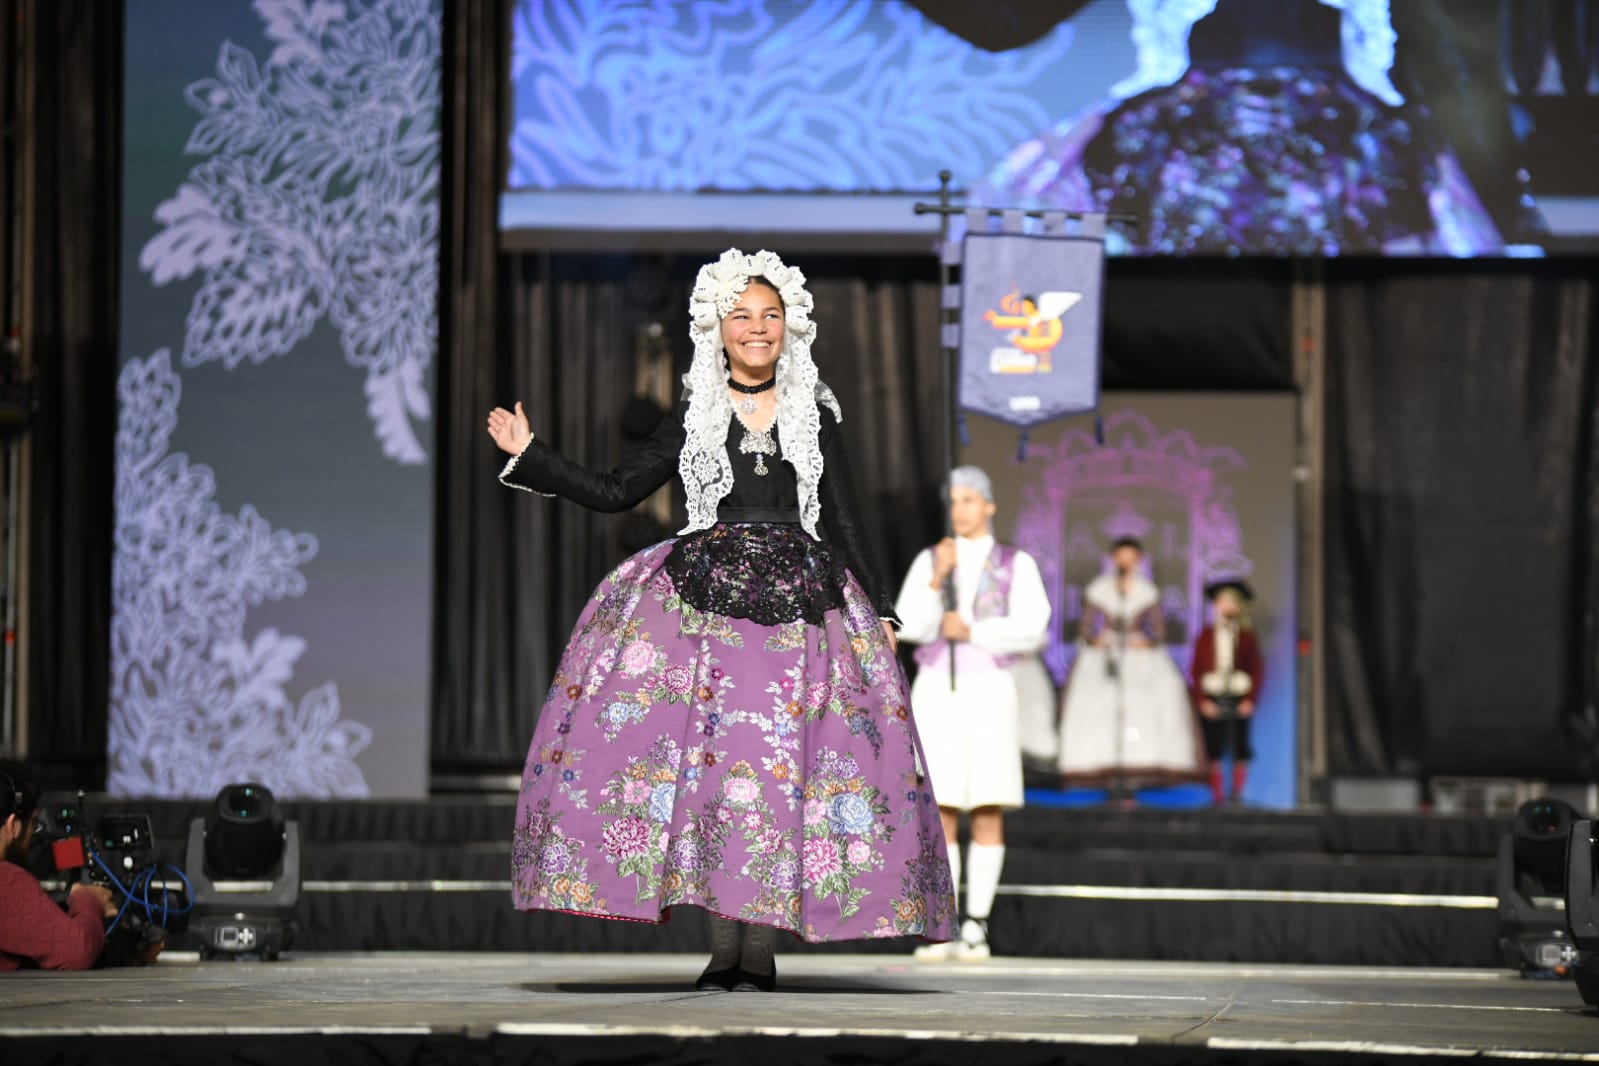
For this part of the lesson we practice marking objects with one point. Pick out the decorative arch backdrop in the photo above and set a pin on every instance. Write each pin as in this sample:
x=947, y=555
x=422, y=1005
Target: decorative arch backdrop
x=272, y=570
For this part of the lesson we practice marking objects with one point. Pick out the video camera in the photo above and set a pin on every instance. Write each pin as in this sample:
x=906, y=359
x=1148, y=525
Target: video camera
x=118, y=853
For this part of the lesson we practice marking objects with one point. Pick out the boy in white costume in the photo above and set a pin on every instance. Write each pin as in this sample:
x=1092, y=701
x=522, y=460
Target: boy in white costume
x=969, y=730
x=1126, y=713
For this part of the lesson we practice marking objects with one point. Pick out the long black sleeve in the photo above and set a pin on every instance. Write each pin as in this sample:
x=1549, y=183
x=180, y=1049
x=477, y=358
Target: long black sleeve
x=642, y=470
x=841, y=518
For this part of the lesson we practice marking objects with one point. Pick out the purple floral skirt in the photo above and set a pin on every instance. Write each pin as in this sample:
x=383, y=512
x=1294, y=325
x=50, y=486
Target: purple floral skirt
x=766, y=773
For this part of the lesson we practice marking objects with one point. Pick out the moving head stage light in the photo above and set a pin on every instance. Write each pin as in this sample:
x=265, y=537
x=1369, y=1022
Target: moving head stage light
x=1531, y=883
x=1582, y=909
x=244, y=860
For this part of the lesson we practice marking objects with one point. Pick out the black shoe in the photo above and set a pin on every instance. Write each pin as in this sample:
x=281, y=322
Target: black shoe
x=718, y=980
x=745, y=981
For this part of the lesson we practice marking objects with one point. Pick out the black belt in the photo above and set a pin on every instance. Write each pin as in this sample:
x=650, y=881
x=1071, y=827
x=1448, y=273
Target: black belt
x=758, y=514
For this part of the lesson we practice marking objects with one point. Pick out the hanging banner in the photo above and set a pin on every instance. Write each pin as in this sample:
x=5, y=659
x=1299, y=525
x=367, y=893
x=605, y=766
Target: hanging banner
x=1029, y=325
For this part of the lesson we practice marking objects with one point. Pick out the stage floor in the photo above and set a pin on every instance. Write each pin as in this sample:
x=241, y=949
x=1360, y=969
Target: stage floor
x=571, y=1008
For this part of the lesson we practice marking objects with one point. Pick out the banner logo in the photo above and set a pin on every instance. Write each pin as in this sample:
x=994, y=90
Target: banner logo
x=1033, y=329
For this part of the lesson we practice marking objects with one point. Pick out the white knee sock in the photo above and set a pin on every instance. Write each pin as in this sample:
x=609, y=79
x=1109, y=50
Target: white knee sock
x=984, y=864
x=955, y=872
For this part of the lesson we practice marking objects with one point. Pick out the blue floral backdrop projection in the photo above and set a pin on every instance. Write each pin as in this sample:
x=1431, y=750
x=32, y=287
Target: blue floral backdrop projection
x=837, y=95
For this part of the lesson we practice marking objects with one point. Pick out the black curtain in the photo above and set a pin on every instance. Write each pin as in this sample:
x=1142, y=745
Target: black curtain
x=1199, y=325
x=73, y=134
x=1462, y=496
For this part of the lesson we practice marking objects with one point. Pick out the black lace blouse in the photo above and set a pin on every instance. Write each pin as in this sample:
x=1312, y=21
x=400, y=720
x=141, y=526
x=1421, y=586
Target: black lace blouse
x=754, y=498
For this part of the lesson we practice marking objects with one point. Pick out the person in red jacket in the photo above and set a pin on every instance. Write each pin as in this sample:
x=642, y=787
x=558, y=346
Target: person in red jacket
x=1224, y=682
x=34, y=931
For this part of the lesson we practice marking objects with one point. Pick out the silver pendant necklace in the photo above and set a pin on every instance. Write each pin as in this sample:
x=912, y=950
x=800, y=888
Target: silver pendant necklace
x=759, y=444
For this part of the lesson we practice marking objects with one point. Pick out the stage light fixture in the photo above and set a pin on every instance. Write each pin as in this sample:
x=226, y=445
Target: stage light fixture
x=1534, y=937
x=1582, y=909
x=244, y=839
x=244, y=860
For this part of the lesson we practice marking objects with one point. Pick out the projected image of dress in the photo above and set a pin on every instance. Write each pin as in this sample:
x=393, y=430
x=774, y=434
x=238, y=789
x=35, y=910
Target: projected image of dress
x=1429, y=127
x=1258, y=125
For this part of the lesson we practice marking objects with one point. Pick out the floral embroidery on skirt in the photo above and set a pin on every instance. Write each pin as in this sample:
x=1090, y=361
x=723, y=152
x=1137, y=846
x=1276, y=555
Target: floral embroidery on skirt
x=764, y=772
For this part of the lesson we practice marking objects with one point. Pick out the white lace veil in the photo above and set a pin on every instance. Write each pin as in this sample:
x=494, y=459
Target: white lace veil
x=705, y=466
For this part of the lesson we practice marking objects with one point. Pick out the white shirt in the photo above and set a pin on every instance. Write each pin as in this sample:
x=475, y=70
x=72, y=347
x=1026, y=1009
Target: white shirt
x=1021, y=631
x=1226, y=636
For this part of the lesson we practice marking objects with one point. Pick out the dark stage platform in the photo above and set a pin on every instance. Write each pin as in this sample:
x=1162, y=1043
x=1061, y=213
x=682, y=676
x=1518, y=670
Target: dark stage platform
x=556, y=1009
x=1214, y=886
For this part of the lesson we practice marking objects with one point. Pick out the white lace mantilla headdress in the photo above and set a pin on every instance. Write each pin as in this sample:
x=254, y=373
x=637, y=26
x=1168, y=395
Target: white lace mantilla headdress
x=705, y=466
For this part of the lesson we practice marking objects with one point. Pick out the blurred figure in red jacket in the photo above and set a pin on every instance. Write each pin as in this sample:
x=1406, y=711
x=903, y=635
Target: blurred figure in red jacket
x=34, y=931
x=1224, y=680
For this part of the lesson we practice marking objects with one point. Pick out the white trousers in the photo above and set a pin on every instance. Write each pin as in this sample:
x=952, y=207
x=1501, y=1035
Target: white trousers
x=969, y=737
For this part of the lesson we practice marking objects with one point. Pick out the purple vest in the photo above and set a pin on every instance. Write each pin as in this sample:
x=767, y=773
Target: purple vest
x=993, y=601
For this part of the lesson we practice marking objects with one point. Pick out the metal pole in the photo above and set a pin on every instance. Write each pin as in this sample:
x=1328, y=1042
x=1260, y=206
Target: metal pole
x=10, y=530
x=1117, y=793
x=10, y=215
x=946, y=317
x=25, y=238
x=1309, y=324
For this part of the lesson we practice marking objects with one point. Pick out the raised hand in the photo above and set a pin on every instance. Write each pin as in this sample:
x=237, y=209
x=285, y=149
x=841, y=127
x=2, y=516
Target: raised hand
x=510, y=431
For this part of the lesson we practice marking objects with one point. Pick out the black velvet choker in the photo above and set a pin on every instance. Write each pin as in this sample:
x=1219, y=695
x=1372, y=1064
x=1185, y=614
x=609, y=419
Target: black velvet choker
x=751, y=390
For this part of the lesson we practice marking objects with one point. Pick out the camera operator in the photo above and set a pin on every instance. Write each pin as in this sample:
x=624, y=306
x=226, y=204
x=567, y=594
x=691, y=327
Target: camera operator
x=34, y=931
